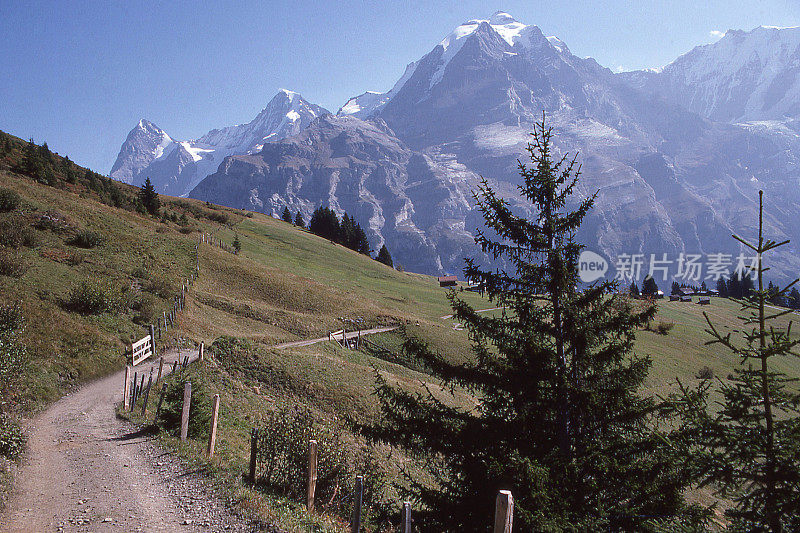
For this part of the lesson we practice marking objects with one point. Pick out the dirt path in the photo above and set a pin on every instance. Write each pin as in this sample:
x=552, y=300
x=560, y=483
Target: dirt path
x=87, y=470
x=349, y=335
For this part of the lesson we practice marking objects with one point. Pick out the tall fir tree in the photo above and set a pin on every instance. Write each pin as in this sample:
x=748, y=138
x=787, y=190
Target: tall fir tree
x=384, y=256
x=794, y=298
x=559, y=418
x=747, y=446
x=298, y=220
x=633, y=290
x=149, y=197
x=325, y=223
x=722, y=288
x=649, y=286
x=286, y=216
x=676, y=288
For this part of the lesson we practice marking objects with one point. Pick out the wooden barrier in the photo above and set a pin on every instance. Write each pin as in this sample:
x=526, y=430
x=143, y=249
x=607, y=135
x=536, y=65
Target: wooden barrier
x=212, y=438
x=126, y=389
x=312, y=475
x=160, y=369
x=141, y=350
x=253, y=454
x=355, y=524
x=187, y=400
x=503, y=512
x=406, y=517
x=201, y=352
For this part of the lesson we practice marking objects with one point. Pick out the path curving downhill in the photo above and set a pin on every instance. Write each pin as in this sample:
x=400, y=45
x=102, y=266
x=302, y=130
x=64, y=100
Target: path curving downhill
x=87, y=470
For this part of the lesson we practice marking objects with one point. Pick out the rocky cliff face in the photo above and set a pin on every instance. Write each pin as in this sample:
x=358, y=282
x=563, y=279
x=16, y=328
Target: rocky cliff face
x=176, y=167
x=669, y=179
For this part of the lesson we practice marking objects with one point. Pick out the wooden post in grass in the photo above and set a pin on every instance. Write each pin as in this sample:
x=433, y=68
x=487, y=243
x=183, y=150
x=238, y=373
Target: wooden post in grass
x=355, y=525
x=133, y=390
x=126, y=388
x=160, y=368
x=174, y=366
x=152, y=339
x=201, y=352
x=312, y=475
x=503, y=512
x=406, y=527
x=147, y=394
x=187, y=400
x=253, y=455
x=212, y=438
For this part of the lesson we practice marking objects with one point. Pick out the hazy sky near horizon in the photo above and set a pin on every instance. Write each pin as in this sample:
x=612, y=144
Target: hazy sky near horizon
x=81, y=75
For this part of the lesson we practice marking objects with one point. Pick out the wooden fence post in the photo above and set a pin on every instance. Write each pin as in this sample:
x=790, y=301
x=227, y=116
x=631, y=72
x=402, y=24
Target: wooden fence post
x=160, y=368
x=312, y=475
x=174, y=366
x=355, y=525
x=503, y=512
x=147, y=395
x=133, y=390
x=187, y=400
x=152, y=339
x=212, y=439
x=201, y=353
x=406, y=517
x=126, y=402
x=253, y=454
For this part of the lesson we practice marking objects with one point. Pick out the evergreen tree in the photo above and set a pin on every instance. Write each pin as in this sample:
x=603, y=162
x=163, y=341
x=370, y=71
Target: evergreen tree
x=237, y=245
x=649, y=286
x=361, y=242
x=298, y=220
x=703, y=287
x=325, y=223
x=286, y=216
x=558, y=417
x=149, y=198
x=794, y=298
x=747, y=445
x=676, y=288
x=748, y=287
x=735, y=286
x=722, y=287
x=633, y=290
x=385, y=257
x=45, y=154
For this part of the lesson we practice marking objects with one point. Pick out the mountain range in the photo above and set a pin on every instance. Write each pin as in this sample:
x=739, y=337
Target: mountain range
x=676, y=155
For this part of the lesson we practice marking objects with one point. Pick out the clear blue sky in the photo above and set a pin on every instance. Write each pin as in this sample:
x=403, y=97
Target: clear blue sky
x=81, y=76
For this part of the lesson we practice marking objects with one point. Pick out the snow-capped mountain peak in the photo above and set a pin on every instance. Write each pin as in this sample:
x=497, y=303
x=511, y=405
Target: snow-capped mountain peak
x=744, y=76
x=175, y=167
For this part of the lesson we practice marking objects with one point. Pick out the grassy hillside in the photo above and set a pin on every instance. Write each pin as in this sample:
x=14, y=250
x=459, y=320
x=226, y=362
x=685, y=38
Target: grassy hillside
x=285, y=285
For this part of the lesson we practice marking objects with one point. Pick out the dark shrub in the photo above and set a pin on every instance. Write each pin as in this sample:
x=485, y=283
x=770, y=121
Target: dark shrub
x=54, y=221
x=664, y=328
x=87, y=239
x=283, y=459
x=169, y=418
x=15, y=233
x=89, y=298
x=146, y=308
x=11, y=264
x=217, y=216
x=160, y=287
x=705, y=373
x=12, y=439
x=9, y=200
